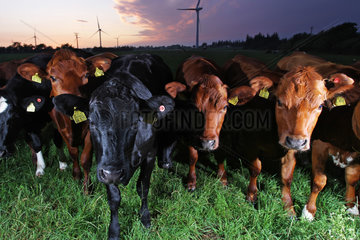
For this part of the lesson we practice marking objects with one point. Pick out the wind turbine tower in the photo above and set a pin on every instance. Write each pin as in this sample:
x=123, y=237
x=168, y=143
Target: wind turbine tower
x=77, y=39
x=197, y=9
x=35, y=39
x=99, y=31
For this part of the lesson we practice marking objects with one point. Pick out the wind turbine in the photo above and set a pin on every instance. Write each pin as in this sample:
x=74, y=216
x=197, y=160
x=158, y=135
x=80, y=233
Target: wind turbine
x=77, y=39
x=37, y=31
x=197, y=9
x=99, y=31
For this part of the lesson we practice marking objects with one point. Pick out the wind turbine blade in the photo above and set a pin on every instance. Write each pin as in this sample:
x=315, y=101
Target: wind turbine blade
x=186, y=9
x=49, y=38
x=197, y=5
x=106, y=33
x=94, y=34
x=98, y=22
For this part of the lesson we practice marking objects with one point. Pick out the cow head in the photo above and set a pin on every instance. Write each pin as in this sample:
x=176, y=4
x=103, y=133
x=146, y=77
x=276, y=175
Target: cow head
x=69, y=72
x=300, y=97
x=211, y=98
x=20, y=100
x=121, y=133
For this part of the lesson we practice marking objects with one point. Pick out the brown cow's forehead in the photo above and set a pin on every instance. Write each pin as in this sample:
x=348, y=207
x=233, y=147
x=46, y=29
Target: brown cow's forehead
x=211, y=98
x=61, y=68
x=301, y=85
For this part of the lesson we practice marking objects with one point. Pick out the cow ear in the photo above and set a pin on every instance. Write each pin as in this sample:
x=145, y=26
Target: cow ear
x=338, y=83
x=33, y=103
x=241, y=95
x=261, y=82
x=161, y=105
x=100, y=63
x=173, y=88
x=30, y=72
x=66, y=103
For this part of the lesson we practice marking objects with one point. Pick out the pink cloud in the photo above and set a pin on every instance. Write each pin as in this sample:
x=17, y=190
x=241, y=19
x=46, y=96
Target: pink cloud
x=162, y=24
x=159, y=19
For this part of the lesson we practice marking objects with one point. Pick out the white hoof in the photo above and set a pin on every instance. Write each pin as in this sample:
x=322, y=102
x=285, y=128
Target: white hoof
x=40, y=164
x=353, y=211
x=306, y=214
x=39, y=172
x=62, y=165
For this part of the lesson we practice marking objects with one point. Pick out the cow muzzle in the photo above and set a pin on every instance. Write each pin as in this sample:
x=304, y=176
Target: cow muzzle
x=110, y=177
x=208, y=145
x=296, y=143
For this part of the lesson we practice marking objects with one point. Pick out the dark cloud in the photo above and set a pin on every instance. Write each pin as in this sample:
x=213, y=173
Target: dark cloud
x=232, y=19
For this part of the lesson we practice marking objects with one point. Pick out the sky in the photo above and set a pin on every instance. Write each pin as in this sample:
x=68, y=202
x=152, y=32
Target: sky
x=158, y=22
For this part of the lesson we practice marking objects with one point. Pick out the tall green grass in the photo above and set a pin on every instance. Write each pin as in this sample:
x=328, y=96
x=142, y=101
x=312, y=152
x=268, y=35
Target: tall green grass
x=54, y=207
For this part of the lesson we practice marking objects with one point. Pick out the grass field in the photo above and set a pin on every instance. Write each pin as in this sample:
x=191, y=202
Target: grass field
x=54, y=207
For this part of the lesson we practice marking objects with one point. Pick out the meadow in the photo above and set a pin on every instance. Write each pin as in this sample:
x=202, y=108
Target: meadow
x=54, y=206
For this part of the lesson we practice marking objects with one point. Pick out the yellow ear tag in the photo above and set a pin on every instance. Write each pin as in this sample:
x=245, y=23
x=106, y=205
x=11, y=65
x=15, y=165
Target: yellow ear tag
x=233, y=100
x=36, y=78
x=99, y=72
x=31, y=107
x=264, y=93
x=340, y=101
x=78, y=116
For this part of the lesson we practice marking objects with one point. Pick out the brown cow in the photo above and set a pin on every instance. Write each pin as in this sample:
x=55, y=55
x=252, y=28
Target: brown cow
x=292, y=116
x=200, y=78
x=326, y=69
x=67, y=73
x=342, y=144
x=341, y=141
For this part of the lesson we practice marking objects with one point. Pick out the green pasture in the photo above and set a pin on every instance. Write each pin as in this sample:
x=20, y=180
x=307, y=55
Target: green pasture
x=53, y=206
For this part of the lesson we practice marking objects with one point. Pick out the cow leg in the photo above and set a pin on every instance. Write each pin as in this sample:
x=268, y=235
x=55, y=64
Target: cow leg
x=34, y=142
x=58, y=142
x=114, y=199
x=86, y=161
x=33, y=155
x=255, y=169
x=142, y=188
x=319, y=155
x=192, y=174
x=40, y=164
x=165, y=148
x=62, y=164
x=221, y=172
x=288, y=163
x=352, y=176
x=74, y=154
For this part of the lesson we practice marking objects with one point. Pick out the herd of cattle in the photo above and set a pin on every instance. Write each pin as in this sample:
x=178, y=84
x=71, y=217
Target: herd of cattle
x=111, y=105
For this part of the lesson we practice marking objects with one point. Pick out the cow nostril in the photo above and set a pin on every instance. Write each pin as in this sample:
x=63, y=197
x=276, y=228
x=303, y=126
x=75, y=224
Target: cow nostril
x=288, y=141
x=211, y=143
x=304, y=142
x=104, y=174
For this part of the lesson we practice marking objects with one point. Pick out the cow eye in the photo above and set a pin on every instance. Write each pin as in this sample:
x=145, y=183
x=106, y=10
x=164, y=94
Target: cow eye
x=53, y=78
x=320, y=107
x=279, y=103
x=86, y=75
x=225, y=107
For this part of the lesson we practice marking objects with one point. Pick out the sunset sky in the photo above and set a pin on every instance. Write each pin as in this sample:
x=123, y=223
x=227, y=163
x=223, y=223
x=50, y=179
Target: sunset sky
x=157, y=22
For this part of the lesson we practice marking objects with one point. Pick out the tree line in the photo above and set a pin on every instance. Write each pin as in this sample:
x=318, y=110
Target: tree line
x=341, y=39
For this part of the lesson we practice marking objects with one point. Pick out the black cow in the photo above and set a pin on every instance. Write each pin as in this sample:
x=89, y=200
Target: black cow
x=122, y=112
x=24, y=105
